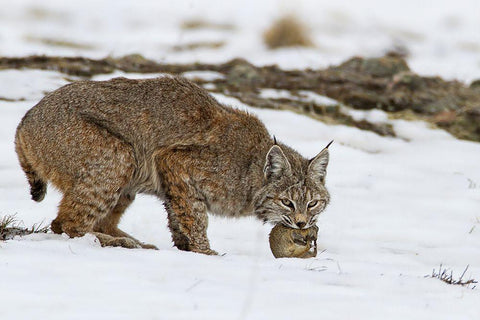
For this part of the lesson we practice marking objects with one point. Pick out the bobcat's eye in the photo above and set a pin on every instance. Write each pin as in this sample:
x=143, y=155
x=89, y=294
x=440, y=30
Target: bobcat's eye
x=287, y=203
x=312, y=204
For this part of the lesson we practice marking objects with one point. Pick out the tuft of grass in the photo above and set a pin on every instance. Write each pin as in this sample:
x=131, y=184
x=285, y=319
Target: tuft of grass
x=39, y=228
x=474, y=226
x=446, y=275
x=11, y=99
x=10, y=227
x=471, y=184
x=8, y=221
x=287, y=31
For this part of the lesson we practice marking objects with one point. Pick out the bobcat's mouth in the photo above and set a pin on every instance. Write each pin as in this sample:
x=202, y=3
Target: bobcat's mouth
x=287, y=222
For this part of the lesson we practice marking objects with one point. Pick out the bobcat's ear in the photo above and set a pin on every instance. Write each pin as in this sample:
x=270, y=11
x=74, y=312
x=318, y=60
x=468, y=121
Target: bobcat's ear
x=276, y=164
x=317, y=168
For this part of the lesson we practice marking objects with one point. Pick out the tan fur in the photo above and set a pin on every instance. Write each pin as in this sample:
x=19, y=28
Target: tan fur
x=293, y=243
x=101, y=143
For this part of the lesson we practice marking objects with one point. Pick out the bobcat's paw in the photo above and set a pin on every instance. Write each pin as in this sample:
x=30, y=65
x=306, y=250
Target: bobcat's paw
x=109, y=241
x=209, y=252
x=147, y=246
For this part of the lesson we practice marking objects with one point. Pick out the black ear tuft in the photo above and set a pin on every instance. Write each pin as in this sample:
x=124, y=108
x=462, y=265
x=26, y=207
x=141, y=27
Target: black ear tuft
x=317, y=168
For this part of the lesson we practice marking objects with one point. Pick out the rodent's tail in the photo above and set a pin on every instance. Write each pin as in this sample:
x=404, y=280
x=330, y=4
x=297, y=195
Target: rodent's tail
x=38, y=187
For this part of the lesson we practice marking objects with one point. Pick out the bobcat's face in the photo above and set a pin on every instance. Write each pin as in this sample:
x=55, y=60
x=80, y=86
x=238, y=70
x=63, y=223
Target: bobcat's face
x=294, y=199
x=299, y=205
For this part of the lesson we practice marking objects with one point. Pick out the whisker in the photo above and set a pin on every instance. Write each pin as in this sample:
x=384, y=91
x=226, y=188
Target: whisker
x=312, y=221
x=288, y=222
x=287, y=219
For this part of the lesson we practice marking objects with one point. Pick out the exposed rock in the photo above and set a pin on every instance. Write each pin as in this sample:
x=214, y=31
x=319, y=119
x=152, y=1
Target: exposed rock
x=475, y=84
x=377, y=67
x=242, y=73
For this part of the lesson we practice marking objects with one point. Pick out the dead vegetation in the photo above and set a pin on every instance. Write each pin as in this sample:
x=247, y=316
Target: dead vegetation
x=10, y=227
x=59, y=43
x=11, y=99
x=384, y=83
x=287, y=31
x=446, y=275
x=197, y=23
x=198, y=45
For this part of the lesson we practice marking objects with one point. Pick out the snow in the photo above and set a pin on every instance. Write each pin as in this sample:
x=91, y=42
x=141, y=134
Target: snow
x=318, y=99
x=275, y=94
x=432, y=31
x=400, y=206
x=204, y=75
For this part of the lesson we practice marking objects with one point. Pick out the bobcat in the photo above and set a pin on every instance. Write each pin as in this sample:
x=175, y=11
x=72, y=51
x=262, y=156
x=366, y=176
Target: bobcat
x=102, y=142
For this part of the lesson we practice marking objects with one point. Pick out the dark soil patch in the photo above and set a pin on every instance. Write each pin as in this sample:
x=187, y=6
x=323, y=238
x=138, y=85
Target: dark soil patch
x=384, y=83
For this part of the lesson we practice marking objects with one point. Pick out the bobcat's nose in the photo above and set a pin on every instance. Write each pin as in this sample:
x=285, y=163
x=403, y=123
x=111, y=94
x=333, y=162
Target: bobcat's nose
x=301, y=224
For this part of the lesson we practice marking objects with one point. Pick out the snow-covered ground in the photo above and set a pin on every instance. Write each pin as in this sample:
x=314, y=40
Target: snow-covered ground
x=400, y=207
x=442, y=36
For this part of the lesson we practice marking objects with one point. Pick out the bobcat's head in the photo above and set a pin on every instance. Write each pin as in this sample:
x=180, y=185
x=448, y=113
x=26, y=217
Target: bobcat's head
x=294, y=193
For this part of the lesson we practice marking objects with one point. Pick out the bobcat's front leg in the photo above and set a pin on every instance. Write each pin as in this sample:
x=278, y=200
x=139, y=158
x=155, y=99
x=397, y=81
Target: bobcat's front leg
x=187, y=213
x=188, y=221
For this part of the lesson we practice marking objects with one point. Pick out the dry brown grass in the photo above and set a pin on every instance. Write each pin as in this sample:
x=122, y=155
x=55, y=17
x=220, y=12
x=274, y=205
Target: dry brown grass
x=198, y=23
x=11, y=227
x=199, y=45
x=446, y=275
x=58, y=43
x=287, y=31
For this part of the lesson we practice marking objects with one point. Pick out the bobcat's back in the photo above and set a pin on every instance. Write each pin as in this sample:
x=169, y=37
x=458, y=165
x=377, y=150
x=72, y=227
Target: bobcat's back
x=156, y=111
x=150, y=118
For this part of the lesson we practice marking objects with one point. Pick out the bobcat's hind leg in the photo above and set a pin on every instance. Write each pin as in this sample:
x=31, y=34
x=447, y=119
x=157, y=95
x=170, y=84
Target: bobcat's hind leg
x=80, y=209
x=94, y=193
x=79, y=213
x=107, y=231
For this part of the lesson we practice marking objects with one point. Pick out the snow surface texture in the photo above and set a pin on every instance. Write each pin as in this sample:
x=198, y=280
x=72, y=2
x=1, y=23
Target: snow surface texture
x=400, y=207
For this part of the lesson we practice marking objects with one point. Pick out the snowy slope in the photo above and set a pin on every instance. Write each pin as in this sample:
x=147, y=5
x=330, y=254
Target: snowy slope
x=400, y=207
x=442, y=36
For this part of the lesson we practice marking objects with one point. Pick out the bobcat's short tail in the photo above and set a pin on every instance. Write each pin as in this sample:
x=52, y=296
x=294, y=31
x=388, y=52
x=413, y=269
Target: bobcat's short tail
x=38, y=187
